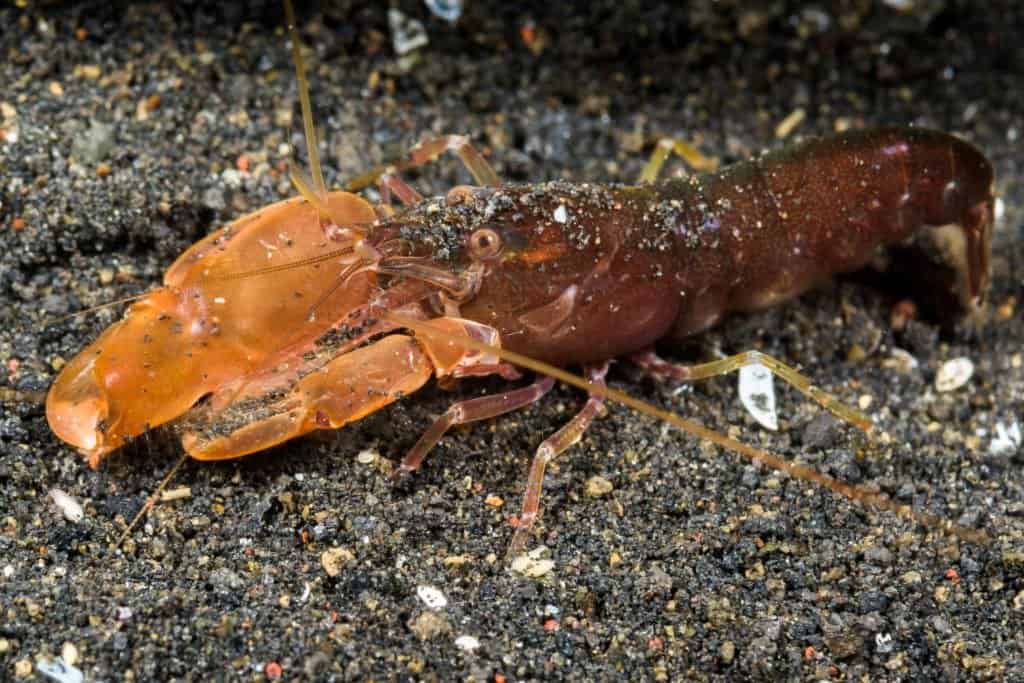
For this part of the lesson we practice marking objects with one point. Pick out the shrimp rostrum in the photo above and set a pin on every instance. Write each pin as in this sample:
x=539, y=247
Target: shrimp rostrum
x=288, y=320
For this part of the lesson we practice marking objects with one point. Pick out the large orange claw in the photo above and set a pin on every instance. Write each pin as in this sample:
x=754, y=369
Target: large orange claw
x=254, y=413
x=204, y=327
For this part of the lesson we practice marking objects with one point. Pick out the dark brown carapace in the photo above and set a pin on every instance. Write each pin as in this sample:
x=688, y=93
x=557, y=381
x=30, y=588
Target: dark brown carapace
x=575, y=273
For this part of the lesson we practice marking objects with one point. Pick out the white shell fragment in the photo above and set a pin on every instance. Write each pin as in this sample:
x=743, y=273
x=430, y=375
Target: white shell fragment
x=1007, y=439
x=368, y=456
x=467, y=643
x=449, y=10
x=757, y=392
x=954, y=374
x=67, y=505
x=60, y=671
x=532, y=565
x=407, y=34
x=431, y=597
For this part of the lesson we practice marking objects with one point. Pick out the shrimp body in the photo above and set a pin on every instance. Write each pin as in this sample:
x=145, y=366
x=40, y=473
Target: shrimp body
x=565, y=273
x=577, y=273
x=297, y=317
x=570, y=274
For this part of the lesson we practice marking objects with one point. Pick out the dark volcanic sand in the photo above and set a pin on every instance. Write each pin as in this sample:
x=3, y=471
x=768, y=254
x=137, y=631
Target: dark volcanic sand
x=120, y=147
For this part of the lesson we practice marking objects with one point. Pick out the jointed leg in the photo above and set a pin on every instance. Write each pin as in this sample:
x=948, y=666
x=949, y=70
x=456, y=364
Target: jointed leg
x=390, y=184
x=655, y=365
x=470, y=411
x=549, y=450
x=686, y=151
x=429, y=150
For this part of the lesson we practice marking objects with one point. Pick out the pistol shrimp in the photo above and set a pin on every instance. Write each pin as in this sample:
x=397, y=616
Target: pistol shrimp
x=493, y=277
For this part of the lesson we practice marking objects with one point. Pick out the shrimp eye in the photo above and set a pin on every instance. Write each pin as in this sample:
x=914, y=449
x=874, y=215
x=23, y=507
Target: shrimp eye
x=484, y=243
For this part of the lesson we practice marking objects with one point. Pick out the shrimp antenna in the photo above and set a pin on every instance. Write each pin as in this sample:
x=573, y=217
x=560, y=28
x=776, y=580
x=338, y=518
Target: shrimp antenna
x=98, y=307
x=314, y=192
x=757, y=455
x=307, y=111
x=151, y=501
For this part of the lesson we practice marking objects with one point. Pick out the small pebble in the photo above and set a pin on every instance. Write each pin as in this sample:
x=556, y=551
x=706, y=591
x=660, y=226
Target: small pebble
x=179, y=493
x=449, y=10
x=431, y=597
x=911, y=578
x=788, y=124
x=334, y=560
x=757, y=393
x=430, y=625
x=954, y=374
x=67, y=505
x=214, y=198
x=530, y=564
x=23, y=668
x=901, y=361
x=467, y=643
x=69, y=653
x=407, y=34
x=95, y=144
x=457, y=560
x=367, y=457
x=1007, y=440
x=60, y=671
x=88, y=71
x=597, y=486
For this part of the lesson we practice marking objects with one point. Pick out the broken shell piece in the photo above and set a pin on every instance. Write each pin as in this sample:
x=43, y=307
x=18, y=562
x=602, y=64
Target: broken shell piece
x=757, y=392
x=954, y=374
x=68, y=506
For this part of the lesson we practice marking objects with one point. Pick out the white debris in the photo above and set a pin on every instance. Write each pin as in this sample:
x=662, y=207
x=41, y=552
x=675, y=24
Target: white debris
x=903, y=361
x=68, y=506
x=467, y=643
x=69, y=653
x=179, y=493
x=367, y=457
x=1007, y=439
x=60, y=671
x=757, y=392
x=232, y=177
x=449, y=10
x=954, y=374
x=431, y=597
x=334, y=560
x=407, y=34
x=561, y=214
x=532, y=565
